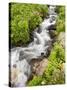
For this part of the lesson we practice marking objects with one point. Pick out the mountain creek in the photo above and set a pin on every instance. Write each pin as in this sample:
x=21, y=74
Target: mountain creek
x=25, y=62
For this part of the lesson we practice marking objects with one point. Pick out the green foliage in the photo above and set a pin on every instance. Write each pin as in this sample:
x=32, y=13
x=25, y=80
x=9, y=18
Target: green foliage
x=23, y=19
x=19, y=33
x=57, y=53
x=34, y=22
x=54, y=73
x=35, y=81
x=60, y=25
x=61, y=12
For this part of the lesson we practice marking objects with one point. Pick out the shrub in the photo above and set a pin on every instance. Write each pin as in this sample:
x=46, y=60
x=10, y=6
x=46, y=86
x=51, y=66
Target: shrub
x=60, y=25
x=57, y=53
x=54, y=73
x=61, y=12
x=19, y=32
x=23, y=19
x=34, y=22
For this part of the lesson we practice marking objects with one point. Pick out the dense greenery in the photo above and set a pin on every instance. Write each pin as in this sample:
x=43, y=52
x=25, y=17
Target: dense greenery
x=54, y=72
x=35, y=81
x=24, y=18
x=60, y=26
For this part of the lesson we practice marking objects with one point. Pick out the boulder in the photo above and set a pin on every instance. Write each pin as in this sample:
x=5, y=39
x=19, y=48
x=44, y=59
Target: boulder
x=38, y=66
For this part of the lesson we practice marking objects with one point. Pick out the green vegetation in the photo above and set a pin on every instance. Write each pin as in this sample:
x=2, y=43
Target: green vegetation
x=23, y=19
x=57, y=53
x=35, y=81
x=34, y=22
x=54, y=72
x=60, y=25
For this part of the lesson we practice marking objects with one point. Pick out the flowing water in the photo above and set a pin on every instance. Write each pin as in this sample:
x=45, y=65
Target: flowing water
x=20, y=57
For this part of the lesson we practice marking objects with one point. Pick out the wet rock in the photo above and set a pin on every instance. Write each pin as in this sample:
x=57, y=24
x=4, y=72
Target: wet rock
x=38, y=29
x=38, y=67
x=52, y=33
x=18, y=78
x=14, y=76
x=52, y=27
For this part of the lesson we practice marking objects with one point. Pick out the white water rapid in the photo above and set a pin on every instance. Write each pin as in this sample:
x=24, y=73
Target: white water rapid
x=20, y=57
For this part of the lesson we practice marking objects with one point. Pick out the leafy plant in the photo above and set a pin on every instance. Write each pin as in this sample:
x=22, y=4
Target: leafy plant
x=60, y=25
x=54, y=73
x=23, y=19
x=34, y=22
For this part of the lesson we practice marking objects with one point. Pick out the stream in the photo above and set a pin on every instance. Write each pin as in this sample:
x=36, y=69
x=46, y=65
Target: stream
x=20, y=57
